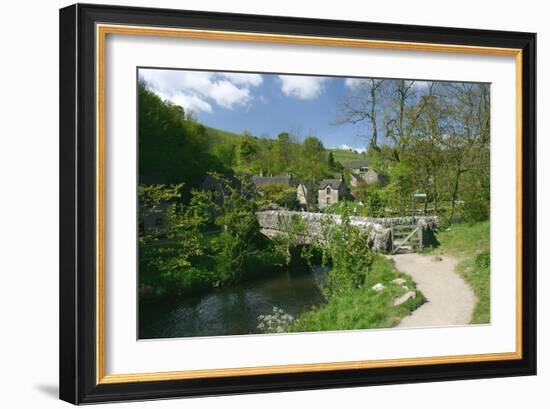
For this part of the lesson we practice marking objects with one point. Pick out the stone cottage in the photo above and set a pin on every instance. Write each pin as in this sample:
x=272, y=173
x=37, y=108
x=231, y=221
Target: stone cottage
x=286, y=181
x=330, y=191
x=361, y=172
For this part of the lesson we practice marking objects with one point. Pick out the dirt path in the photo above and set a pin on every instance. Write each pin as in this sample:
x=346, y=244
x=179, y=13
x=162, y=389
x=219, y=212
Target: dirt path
x=450, y=301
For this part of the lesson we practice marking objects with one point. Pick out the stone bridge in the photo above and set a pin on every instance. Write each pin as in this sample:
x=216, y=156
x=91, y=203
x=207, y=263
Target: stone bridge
x=380, y=230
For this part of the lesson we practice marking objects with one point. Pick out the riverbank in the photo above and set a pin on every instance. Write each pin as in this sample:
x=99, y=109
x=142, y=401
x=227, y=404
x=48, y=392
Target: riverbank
x=364, y=308
x=470, y=244
x=203, y=273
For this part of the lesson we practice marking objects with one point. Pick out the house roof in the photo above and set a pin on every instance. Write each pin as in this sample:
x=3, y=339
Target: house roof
x=273, y=180
x=211, y=183
x=333, y=183
x=356, y=164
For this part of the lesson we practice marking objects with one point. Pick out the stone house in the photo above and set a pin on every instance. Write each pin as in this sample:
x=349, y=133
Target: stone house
x=154, y=222
x=330, y=191
x=361, y=172
x=287, y=181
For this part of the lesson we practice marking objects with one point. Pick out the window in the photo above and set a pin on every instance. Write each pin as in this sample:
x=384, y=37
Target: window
x=328, y=190
x=328, y=199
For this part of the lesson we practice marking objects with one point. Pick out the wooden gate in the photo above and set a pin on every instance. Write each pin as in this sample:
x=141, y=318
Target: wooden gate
x=406, y=238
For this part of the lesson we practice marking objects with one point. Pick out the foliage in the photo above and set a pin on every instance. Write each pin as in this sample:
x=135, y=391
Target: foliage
x=280, y=195
x=363, y=308
x=234, y=208
x=436, y=141
x=347, y=250
x=212, y=240
x=373, y=199
x=352, y=208
x=290, y=236
x=171, y=143
x=180, y=238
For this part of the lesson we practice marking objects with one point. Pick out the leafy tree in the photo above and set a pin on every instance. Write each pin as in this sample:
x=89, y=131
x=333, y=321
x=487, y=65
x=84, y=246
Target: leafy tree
x=282, y=154
x=312, y=166
x=168, y=262
x=234, y=207
x=246, y=150
x=226, y=154
x=291, y=236
x=347, y=250
x=171, y=143
x=280, y=195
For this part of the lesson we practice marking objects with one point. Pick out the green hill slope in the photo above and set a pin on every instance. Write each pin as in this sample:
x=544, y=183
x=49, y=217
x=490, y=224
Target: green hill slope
x=343, y=155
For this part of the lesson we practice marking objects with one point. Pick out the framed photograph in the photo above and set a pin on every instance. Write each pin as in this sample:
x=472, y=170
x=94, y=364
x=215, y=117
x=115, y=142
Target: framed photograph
x=258, y=203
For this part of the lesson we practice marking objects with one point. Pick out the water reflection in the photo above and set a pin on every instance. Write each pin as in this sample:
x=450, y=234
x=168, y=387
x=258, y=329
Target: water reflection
x=231, y=310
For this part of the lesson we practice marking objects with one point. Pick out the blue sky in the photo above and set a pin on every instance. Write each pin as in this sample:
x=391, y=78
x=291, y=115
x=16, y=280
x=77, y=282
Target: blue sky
x=263, y=104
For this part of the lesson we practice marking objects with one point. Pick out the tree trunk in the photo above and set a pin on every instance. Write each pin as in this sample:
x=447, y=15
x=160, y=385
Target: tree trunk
x=455, y=191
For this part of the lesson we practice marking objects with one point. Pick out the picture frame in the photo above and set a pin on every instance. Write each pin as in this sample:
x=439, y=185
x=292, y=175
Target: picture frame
x=83, y=214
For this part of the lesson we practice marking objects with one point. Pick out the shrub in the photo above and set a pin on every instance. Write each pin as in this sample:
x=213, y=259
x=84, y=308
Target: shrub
x=347, y=249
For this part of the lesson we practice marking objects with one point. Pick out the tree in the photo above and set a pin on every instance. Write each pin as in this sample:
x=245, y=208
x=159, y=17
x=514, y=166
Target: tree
x=234, y=208
x=346, y=248
x=168, y=265
x=333, y=165
x=466, y=142
x=171, y=144
x=283, y=196
x=246, y=150
x=312, y=165
x=361, y=105
x=282, y=154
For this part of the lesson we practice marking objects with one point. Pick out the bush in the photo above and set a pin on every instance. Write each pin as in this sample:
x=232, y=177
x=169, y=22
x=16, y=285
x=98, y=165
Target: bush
x=347, y=249
x=483, y=260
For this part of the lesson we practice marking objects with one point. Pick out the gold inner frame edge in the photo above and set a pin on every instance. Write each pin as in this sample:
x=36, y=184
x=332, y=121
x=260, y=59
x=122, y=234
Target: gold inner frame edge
x=101, y=32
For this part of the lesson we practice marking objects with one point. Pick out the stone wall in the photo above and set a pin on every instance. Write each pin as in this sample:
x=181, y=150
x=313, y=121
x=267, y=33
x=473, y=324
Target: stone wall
x=273, y=222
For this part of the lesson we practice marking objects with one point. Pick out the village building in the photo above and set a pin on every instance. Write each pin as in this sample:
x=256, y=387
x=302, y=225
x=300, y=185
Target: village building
x=330, y=191
x=287, y=181
x=154, y=222
x=361, y=172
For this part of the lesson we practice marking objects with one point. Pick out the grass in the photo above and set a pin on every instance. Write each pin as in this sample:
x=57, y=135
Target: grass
x=363, y=308
x=470, y=243
x=343, y=156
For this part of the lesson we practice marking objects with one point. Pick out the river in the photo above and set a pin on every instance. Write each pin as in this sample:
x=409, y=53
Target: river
x=231, y=310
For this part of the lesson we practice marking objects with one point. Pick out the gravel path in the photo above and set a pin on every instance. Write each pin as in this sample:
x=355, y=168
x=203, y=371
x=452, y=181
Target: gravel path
x=450, y=300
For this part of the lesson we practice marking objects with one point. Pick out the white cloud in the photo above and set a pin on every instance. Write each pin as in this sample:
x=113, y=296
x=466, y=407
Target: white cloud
x=347, y=148
x=302, y=87
x=196, y=90
x=187, y=102
x=353, y=82
x=228, y=95
x=243, y=79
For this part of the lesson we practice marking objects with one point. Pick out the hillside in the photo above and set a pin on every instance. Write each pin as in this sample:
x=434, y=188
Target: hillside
x=221, y=136
x=343, y=155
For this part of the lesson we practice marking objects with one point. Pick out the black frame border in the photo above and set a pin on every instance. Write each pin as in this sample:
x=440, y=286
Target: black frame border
x=78, y=210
